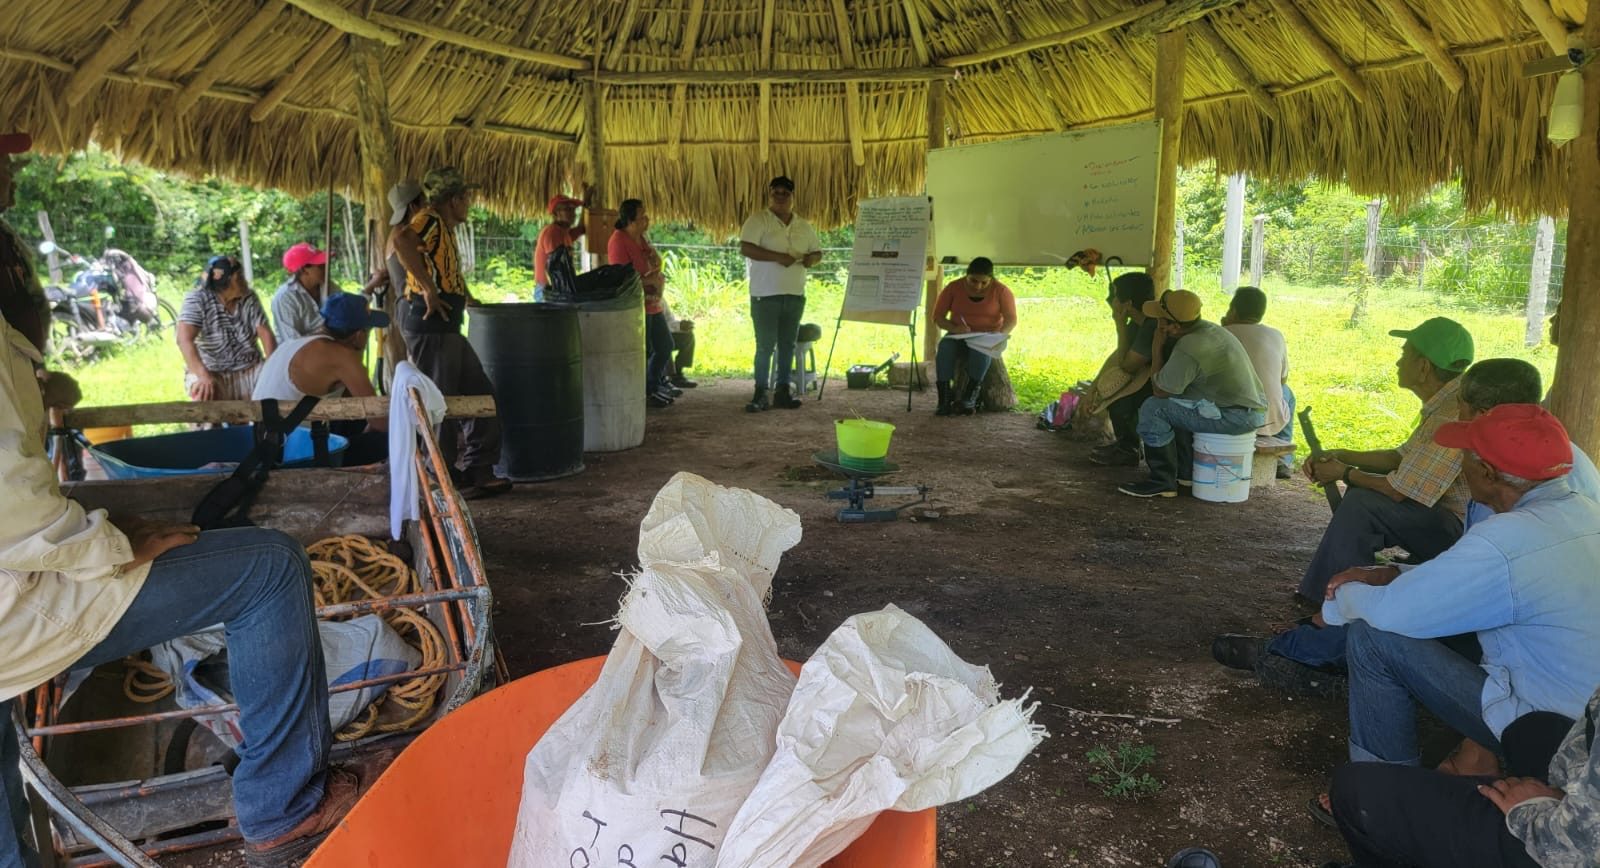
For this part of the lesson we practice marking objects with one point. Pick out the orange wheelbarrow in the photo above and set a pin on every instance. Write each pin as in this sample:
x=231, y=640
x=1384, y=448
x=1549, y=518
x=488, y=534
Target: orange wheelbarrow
x=451, y=797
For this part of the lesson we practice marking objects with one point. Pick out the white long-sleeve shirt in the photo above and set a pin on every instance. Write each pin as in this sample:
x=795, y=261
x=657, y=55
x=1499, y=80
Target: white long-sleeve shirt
x=61, y=586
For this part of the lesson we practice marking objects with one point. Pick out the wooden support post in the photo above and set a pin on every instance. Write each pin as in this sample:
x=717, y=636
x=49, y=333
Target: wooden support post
x=1177, y=258
x=1369, y=256
x=1575, y=398
x=1232, y=231
x=245, y=258
x=1236, y=66
x=380, y=171
x=117, y=47
x=1296, y=21
x=937, y=95
x=764, y=101
x=1171, y=48
x=1544, y=243
x=302, y=67
x=1258, y=252
x=227, y=54
x=593, y=144
x=1425, y=41
x=1549, y=26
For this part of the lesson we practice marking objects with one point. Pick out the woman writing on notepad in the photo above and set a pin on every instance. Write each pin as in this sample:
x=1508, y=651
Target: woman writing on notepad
x=974, y=308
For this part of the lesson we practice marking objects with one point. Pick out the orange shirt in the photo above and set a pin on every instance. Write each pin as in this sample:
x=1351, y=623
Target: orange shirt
x=550, y=237
x=623, y=250
x=988, y=315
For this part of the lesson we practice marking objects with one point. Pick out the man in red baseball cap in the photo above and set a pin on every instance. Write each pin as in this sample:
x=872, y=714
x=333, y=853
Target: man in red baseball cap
x=297, y=305
x=563, y=231
x=1523, y=584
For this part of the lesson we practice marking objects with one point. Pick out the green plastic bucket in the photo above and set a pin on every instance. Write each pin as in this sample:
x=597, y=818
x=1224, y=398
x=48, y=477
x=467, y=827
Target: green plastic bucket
x=863, y=443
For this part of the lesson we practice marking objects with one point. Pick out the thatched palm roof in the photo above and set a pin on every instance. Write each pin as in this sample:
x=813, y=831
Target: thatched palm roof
x=261, y=90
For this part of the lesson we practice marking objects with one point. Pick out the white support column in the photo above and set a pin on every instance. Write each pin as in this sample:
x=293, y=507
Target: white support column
x=1232, y=232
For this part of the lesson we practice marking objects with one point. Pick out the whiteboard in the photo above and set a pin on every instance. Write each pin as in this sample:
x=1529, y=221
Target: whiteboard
x=1035, y=201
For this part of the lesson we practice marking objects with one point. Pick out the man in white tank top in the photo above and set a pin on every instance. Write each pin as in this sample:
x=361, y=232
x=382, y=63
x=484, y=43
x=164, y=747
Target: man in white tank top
x=328, y=364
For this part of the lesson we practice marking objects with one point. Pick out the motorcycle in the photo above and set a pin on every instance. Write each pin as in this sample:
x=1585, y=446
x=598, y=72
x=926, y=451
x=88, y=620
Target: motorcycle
x=111, y=300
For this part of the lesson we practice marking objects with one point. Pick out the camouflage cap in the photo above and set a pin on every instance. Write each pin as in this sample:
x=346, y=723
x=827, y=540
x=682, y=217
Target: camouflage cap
x=444, y=182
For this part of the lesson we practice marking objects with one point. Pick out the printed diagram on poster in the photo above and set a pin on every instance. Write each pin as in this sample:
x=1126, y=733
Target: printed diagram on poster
x=890, y=254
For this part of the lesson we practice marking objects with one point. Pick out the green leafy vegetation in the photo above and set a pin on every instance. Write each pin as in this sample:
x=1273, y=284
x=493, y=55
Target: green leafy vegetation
x=1118, y=773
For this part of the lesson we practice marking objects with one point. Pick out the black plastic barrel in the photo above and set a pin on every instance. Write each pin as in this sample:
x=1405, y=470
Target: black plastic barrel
x=533, y=353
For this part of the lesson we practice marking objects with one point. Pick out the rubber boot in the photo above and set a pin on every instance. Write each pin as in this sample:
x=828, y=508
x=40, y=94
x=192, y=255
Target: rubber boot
x=1163, y=481
x=782, y=398
x=945, y=404
x=758, y=403
x=969, y=400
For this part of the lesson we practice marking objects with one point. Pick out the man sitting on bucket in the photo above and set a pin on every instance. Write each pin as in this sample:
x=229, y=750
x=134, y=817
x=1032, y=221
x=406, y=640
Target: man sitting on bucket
x=1204, y=385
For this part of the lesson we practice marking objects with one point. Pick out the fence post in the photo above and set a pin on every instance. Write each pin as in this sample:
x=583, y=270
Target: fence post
x=52, y=258
x=1257, y=248
x=1544, y=244
x=244, y=250
x=1232, y=232
x=1177, y=258
x=1371, y=257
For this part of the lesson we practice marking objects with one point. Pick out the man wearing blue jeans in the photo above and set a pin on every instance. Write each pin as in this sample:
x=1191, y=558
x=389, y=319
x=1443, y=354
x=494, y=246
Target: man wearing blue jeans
x=1207, y=386
x=81, y=588
x=780, y=245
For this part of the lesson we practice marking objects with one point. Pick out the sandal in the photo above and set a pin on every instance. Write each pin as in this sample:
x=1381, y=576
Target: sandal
x=1319, y=813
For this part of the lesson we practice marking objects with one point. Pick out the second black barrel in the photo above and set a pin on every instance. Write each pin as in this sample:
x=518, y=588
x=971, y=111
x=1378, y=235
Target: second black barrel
x=533, y=353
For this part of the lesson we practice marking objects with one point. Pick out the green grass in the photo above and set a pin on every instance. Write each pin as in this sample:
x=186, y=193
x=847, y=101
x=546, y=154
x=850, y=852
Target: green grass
x=1064, y=334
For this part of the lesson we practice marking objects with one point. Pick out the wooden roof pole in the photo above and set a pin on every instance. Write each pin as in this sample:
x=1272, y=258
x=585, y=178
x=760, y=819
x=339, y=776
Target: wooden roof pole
x=1171, y=49
x=1575, y=396
x=1030, y=73
x=938, y=93
x=227, y=52
x=852, y=90
x=624, y=31
x=919, y=42
x=764, y=102
x=795, y=76
x=1236, y=66
x=413, y=59
x=1549, y=26
x=302, y=68
x=1296, y=21
x=478, y=43
x=1425, y=41
x=1099, y=25
x=502, y=79
x=380, y=169
x=680, y=93
x=117, y=47
x=343, y=19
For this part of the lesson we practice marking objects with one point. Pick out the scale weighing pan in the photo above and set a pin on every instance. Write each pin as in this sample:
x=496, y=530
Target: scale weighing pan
x=829, y=458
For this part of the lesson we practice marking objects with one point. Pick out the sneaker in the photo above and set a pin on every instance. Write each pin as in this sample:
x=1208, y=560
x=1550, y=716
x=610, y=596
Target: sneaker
x=658, y=400
x=1238, y=651
x=672, y=392
x=339, y=796
x=1147, y=488
x=1113, y=455
x=684, y=383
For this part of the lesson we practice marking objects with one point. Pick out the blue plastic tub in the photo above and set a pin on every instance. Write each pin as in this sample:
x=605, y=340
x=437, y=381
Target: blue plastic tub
x=218, y=450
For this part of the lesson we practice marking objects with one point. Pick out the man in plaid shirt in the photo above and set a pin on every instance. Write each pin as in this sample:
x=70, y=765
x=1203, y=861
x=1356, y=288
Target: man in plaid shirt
x=1412, y=496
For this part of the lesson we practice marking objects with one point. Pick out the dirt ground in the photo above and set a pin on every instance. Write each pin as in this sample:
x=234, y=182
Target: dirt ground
x=1102, y=604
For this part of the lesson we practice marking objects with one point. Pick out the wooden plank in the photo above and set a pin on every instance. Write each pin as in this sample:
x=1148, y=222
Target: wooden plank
x=477, y=43
x=1237, y=68
x=118, y=46
x=302, y=68
x=772, y=76
x=1575, y=396
x=1064, y=37
x=227, y=54
x=937, y=138
x=919, y=41
x=1546, y=22
x=1171, y=51
x=343, y=19
x=1425, y=41
x=238, y=412
x=1030, y=73
x=1296, y=21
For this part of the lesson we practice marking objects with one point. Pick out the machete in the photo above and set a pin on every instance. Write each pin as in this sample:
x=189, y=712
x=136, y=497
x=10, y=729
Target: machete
x=1331, y=489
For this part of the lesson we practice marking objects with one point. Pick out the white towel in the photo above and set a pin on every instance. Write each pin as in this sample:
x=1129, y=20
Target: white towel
x=403, y=482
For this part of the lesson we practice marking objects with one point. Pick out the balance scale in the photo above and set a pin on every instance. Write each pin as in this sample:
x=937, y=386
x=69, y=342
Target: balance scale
x=862, y=488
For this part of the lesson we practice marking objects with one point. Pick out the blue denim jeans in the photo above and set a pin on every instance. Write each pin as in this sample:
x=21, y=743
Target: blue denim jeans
x=658, y=352
x=1321, y=647
x=1287, y=459
x=1389, y=675
x=950, y=352
x=257, y=584
x=777, y=323
x=1158, y=417
x=1367, y=522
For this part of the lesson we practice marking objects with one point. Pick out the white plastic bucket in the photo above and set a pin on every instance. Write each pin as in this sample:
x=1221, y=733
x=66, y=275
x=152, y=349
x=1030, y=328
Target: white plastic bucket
x=1222, y=466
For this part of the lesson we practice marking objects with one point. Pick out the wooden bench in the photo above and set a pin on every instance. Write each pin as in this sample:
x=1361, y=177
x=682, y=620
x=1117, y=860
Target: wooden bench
x=1264, y=465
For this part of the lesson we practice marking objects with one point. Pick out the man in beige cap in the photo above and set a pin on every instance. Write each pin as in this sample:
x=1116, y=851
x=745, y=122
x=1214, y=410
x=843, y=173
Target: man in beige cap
x=1205, y=384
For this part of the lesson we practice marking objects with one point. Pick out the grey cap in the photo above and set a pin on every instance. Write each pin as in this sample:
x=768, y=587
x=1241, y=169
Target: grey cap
x=401, y=196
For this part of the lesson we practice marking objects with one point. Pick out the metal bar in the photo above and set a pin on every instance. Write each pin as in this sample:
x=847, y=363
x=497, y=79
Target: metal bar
x=167, y=847
x=405, y=601
x=62, y=801
x=452, y=499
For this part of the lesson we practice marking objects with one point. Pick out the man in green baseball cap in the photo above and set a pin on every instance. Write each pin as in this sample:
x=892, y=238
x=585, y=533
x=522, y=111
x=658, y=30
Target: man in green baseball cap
x=1412, y=497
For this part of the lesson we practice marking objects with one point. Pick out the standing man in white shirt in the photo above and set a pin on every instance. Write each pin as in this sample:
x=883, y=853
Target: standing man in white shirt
x=780, y=246
x=1269, y=353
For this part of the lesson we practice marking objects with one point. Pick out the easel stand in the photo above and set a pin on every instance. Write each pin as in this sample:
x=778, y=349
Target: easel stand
x=912, y=382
